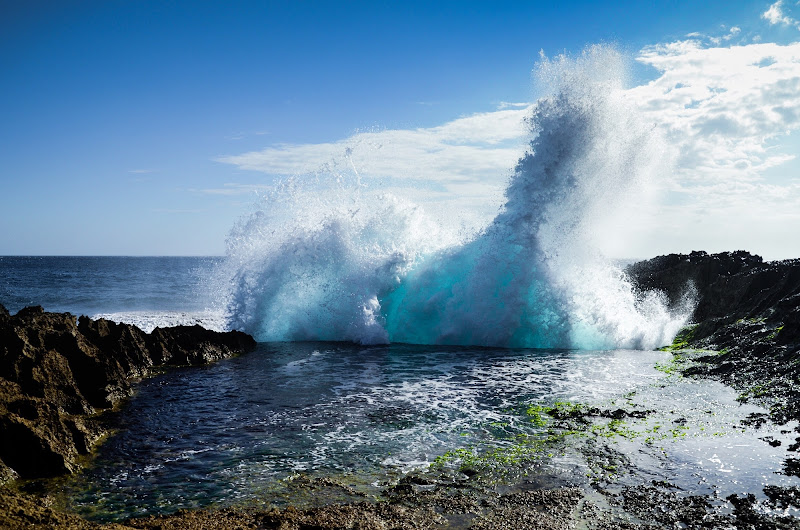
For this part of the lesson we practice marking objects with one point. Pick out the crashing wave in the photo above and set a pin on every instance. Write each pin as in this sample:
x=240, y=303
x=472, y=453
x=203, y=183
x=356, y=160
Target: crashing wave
x=327, y=259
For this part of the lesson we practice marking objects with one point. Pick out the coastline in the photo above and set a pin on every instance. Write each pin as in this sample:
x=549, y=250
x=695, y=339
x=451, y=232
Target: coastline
x=746, y=333
x=59, y=374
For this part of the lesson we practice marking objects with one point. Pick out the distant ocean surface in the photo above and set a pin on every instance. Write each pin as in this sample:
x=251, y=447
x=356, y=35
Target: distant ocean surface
x=146, y=291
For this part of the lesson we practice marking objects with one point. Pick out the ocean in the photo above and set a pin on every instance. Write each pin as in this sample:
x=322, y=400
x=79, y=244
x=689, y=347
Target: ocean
x=145, y=291
x=389, y=344
x=259, y=429
x=337, y=256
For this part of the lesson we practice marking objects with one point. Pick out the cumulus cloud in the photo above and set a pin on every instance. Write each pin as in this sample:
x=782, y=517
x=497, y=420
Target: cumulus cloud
x=774, y=15
x=727, y=112
x=723, y=105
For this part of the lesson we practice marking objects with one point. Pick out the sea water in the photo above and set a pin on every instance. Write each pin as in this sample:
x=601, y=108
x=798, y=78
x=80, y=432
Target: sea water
x=387, y=340
x=328, y=257
x=250, y=431
x=145, y=291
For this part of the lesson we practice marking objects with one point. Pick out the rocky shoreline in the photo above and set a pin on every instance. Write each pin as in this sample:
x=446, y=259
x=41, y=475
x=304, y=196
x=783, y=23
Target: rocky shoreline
x=747, y=314
x=59, y=374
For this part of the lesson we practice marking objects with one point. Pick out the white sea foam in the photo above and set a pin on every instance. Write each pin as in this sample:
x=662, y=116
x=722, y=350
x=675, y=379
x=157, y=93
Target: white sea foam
x=325, y=257
x=147, y=321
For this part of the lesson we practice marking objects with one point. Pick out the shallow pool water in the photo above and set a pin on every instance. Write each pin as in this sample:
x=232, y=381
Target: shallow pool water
x=235, y=431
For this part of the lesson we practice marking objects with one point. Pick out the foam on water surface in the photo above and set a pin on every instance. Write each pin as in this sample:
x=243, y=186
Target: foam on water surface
x=147, y=321
x=240, y=429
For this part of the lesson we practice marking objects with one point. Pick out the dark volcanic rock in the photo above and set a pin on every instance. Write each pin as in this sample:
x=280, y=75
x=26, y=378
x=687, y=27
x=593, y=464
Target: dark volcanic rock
x=699, y=276
x=747, y=310
x=195, y=345
x=728, y=288
x=57, y=372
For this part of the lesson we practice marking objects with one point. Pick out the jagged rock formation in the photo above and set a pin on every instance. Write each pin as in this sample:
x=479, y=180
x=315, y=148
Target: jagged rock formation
x=57, y=372
x=748, y=310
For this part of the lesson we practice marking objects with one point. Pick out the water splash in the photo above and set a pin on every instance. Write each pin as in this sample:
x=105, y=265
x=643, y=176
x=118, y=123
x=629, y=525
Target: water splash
x=326, y=258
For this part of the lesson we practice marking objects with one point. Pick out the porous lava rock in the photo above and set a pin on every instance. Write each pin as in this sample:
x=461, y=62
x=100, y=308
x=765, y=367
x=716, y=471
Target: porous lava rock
x=58, y=372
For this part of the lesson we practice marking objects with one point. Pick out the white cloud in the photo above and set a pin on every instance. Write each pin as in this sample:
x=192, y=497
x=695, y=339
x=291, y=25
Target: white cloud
x=774, y=15
x=762, y=218
x=728, y=113
x=232, y=188
x=467, y=157
x=723, y=105
x=732, y=33
x=724, y=109
x=509, y=105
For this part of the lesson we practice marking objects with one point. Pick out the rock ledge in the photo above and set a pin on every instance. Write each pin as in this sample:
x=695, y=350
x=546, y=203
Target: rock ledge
x=58, y=372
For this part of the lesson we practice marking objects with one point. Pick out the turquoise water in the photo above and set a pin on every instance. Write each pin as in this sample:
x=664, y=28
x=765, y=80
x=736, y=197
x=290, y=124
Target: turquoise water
x=332, y=256
x=434, y=330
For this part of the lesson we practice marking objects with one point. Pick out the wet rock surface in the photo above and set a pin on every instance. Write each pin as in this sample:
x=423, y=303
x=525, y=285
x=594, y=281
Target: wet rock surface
x=58, y=373
x=747, y=315
x=744, y=332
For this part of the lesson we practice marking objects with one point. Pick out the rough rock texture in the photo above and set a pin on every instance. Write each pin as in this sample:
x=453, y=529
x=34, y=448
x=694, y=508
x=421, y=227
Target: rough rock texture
x=58, y=372
x=697, y=276
x=539, y=510
x=727, y=287
x=18, y=512
x=748, y=311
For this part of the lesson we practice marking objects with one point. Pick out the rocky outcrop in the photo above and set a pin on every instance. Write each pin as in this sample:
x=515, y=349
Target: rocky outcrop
x=58, y=372
x=747, y=310
x=702, y=278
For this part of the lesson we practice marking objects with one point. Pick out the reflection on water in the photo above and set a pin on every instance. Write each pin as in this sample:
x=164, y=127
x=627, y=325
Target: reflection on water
x=233, y=431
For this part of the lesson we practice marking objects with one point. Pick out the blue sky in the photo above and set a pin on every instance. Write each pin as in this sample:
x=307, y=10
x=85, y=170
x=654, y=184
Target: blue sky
x=132, y=127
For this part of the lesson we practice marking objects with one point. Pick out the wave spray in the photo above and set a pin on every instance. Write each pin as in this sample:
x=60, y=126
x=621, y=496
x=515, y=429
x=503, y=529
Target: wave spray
x=325, y=258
